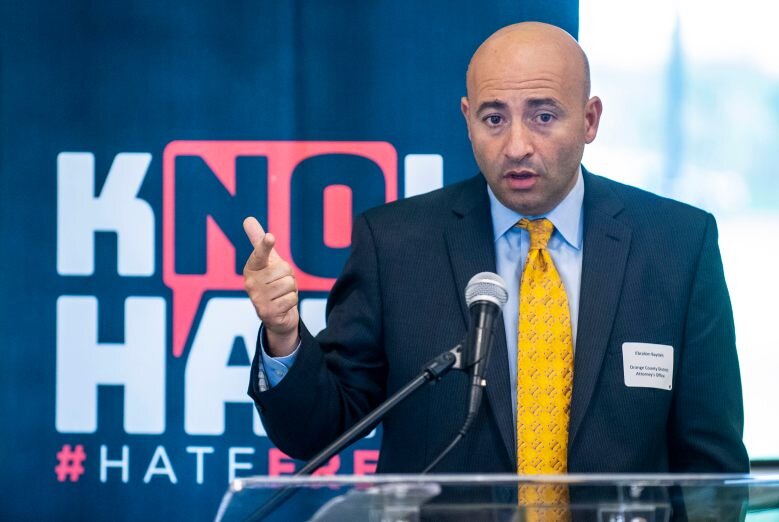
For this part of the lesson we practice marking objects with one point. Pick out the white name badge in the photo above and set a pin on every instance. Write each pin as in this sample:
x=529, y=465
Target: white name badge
x=648, y=365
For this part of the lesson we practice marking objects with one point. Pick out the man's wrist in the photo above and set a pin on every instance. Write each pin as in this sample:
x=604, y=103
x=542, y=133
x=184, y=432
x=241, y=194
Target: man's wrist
x=281, y=345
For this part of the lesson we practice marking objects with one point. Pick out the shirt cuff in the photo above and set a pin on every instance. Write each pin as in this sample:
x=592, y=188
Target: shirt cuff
x=273, y=369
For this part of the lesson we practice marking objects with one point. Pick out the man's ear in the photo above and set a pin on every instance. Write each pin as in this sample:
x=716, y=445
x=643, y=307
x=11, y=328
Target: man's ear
x=465, y=108
x=592, y=111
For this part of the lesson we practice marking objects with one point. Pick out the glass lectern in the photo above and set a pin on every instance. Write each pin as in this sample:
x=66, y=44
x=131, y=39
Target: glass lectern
x=591, y=497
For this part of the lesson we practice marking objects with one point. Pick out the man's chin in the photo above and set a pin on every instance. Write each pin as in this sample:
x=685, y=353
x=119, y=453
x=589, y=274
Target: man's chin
x=526, y=204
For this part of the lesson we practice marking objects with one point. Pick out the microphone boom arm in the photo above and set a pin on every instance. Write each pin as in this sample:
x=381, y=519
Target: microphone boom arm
x=434, y=370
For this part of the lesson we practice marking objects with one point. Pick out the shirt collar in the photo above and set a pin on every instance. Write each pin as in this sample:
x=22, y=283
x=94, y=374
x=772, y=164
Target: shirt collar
x=566, y=216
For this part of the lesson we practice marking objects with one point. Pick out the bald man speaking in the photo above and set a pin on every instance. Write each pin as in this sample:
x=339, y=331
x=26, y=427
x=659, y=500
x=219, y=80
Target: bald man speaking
x=616, y=352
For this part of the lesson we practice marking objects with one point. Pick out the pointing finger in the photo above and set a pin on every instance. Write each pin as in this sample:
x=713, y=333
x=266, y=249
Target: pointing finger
x=262, y=253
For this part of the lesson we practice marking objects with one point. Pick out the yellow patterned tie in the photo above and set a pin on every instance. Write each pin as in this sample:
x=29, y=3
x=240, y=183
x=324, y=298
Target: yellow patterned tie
x=544, y=374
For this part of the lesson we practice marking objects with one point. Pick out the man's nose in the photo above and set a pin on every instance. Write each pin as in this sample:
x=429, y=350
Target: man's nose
x=519, y=143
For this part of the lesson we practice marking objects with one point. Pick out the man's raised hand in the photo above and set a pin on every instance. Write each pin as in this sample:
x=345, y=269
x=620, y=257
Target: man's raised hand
x=271, y=285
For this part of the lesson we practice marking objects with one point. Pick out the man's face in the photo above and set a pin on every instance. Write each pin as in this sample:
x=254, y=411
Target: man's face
x=528, y=120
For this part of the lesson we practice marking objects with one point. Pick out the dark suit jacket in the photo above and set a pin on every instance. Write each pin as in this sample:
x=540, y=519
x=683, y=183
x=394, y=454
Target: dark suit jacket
x=651, y=272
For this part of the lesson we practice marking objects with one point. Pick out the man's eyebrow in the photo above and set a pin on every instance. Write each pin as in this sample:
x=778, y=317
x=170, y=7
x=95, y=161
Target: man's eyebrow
x=493, y=104
x=532, y=103
x=540, y=102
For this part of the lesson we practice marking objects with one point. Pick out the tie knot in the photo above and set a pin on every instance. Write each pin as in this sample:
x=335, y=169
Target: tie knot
x=540, y=231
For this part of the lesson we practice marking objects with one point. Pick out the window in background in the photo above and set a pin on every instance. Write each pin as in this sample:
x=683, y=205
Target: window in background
x=690, y=91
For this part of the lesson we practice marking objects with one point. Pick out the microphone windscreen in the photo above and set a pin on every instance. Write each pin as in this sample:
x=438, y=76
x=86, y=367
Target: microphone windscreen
x=486, y=286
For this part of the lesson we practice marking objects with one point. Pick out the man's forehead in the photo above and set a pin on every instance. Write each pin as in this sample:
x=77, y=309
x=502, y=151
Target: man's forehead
x=516, y=86
x=522, y=61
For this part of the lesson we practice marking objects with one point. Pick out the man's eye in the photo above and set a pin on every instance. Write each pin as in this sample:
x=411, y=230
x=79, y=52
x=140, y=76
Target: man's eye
x=545, y=117
x=494, y=119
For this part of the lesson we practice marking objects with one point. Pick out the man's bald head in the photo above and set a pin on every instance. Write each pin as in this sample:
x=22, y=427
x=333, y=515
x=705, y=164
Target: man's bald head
x=530, y=40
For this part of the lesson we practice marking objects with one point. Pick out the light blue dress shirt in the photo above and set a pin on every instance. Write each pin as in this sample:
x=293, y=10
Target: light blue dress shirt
x=511, y=248
x=275, y=368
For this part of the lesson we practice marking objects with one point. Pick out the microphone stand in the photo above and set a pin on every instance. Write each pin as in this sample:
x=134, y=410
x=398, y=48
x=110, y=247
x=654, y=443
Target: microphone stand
x=479, y=338
x=433, y=371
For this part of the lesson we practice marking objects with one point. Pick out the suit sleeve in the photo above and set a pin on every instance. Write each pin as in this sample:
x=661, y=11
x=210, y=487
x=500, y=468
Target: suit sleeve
x=339, y=376
x=708, y=415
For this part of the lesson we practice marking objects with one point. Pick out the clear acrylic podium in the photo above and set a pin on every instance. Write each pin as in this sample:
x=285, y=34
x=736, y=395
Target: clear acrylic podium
x=598, y=498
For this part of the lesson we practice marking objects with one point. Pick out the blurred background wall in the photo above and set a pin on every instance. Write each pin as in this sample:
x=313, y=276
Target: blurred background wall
x=134, y=138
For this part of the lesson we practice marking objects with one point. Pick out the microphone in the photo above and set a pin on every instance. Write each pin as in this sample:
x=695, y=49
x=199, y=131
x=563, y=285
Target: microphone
x=485, y=295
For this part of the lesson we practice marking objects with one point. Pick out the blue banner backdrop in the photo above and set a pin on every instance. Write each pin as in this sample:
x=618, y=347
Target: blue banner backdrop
x=135, y=138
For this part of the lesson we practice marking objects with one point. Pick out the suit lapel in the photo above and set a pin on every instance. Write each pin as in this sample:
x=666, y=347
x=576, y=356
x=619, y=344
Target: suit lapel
x=471, y=248
x=606, y=247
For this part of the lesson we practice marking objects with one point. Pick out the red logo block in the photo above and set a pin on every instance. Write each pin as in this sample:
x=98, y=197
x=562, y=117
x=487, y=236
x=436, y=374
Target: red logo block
x=282, y=159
